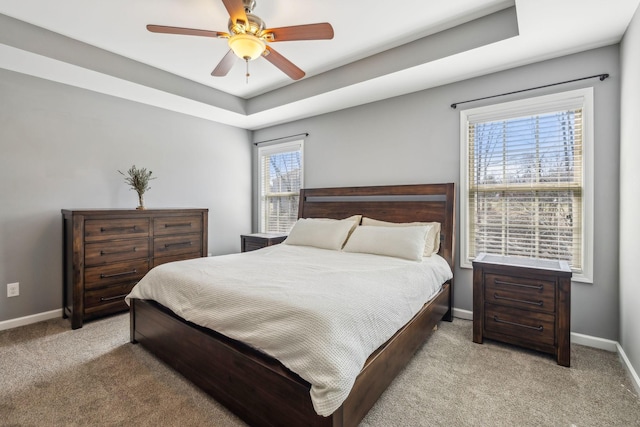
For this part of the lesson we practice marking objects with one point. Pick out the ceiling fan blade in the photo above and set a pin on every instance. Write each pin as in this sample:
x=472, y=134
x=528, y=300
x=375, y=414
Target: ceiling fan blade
x=286, y=66
x=236, y=10
x=322, y=31
x=225, y=64
x=185, y=31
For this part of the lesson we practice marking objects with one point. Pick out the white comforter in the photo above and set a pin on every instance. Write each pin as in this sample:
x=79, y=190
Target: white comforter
x=319, y=312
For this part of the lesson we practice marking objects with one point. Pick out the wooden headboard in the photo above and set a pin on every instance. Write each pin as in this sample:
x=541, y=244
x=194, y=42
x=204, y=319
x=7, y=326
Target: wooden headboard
x=394, y=203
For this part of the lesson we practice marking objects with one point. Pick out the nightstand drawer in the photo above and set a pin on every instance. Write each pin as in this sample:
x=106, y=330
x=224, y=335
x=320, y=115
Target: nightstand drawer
x=522, y=324
x=252, y=245
x=119, y=228
x=252, y=242
x=520, y=292
x=101, y=253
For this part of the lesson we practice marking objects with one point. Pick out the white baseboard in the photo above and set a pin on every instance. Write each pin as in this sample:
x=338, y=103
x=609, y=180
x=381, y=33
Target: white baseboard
x=462, y=314
x=595, y=342
x=28, y=320
x=633, y=375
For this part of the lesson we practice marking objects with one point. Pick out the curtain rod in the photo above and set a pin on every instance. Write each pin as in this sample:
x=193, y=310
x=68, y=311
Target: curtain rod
x=600, y=76
x=278, y=139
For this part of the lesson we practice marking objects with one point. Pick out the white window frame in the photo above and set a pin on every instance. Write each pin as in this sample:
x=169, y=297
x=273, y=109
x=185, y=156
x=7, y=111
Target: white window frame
x=542, y=104
x=283, y=147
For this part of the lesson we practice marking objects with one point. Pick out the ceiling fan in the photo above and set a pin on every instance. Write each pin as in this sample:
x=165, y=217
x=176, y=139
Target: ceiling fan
x=248, y=38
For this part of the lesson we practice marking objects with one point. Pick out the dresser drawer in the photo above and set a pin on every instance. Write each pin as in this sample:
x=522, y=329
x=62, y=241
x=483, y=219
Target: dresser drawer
x=107, y=300
x=177, y=245
x=96, y=230
x=101, y=253
x=522, y=324
x=104, y=275
x=163, y=226
x=520, y=292
x=180, y=257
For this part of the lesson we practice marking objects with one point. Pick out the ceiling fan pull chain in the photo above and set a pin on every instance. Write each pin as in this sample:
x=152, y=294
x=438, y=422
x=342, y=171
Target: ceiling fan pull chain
x=247, y=62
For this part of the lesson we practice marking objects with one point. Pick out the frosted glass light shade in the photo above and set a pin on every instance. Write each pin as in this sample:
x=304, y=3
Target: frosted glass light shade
x=246, y=46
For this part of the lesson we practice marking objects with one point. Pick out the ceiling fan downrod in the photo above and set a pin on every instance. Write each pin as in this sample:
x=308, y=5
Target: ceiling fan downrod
x=249, y=5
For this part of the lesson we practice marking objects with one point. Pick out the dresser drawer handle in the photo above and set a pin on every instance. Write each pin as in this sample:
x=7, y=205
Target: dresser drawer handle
x=168, y=245
x=104, y=230
x=107, y=276
x=103, y=299
x=180, y=224
x=118, y=252
x=500, y=282
x=538, y=303
x=537, y=328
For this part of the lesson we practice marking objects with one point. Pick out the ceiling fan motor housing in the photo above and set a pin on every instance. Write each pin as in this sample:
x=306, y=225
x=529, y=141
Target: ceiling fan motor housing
x=255, y=26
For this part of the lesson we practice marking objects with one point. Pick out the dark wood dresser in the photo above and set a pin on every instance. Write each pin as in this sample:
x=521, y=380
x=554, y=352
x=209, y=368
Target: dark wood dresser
x=251, y=242
x=106, y=252
x=523, y=301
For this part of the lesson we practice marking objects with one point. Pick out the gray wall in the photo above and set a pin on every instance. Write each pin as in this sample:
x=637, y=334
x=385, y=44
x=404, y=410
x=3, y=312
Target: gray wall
x=61, y=148
x=415, y=139
x=629, y=200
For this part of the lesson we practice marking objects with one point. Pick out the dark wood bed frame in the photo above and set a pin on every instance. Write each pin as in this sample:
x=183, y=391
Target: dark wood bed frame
x=258, y=388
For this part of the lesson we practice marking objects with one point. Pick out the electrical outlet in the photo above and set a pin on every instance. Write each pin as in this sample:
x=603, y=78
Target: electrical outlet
x=13, y=289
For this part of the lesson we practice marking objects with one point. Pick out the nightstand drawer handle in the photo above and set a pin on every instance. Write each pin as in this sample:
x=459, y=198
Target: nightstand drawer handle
x=118, y=252
x=103, y=299
x=537, y=328
x=168, y=245
x=182, y=224
x=107, y=276
x=104, y=230
x=500, y=282
x=538, y=303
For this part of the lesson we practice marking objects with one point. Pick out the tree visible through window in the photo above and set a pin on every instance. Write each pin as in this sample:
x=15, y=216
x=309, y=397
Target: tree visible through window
x=525, y=182
x=281, y=173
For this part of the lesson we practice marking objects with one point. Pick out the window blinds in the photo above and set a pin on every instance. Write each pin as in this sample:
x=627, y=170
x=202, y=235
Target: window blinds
x=526, y=186
x=280, y=183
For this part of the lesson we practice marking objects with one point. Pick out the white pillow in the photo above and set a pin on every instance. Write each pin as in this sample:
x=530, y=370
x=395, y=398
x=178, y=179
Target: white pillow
x=432, y=240
x=400, y=242
x=355, y=218
x=321, y=233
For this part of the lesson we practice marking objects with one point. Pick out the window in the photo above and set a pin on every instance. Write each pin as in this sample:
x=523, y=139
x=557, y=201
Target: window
x=280, y=176
x=527, y=180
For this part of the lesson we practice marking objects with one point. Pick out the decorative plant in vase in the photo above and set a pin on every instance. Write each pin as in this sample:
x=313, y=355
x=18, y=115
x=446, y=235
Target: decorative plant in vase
x=138, y=179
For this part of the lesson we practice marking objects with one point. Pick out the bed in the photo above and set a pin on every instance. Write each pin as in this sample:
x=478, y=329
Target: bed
x=259, y=388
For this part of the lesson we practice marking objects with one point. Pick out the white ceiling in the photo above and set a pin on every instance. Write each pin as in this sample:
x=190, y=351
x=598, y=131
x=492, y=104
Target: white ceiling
x=547, y=29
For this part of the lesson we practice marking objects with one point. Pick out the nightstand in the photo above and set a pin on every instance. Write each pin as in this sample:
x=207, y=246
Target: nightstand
x=251, y=242
x=523, y=301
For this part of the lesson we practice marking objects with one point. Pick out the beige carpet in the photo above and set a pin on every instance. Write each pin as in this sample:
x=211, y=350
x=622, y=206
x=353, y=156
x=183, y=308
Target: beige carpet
x=53, y=376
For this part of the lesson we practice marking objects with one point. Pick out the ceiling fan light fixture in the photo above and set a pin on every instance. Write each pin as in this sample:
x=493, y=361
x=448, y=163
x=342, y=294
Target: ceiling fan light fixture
x=246, y=46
